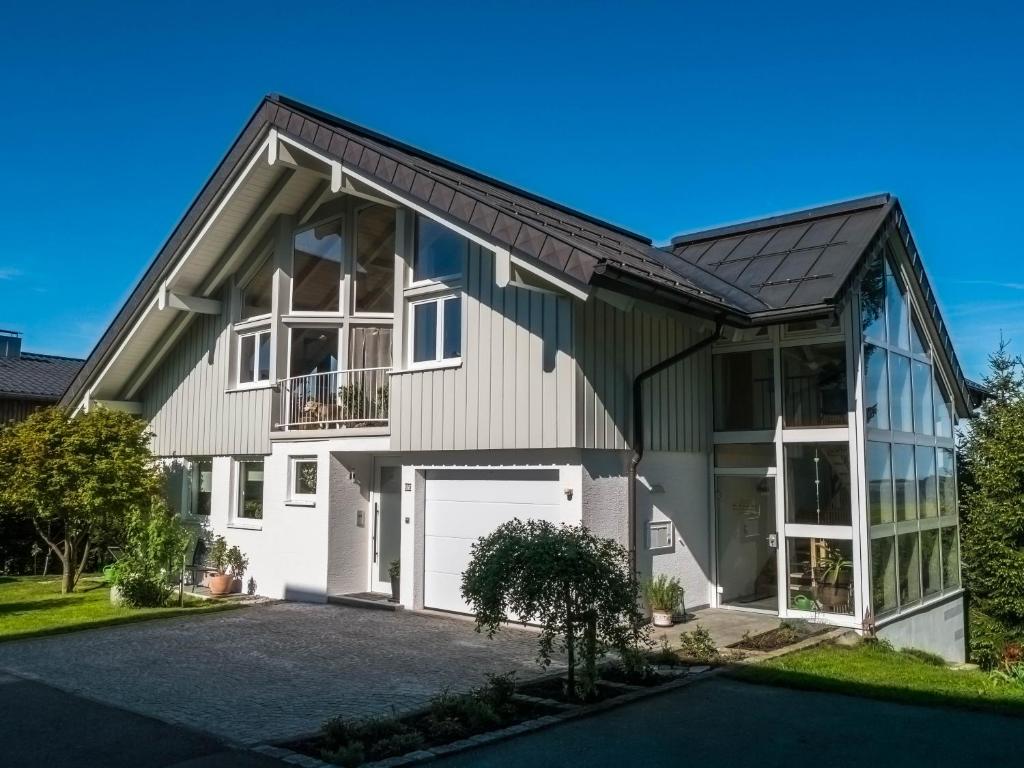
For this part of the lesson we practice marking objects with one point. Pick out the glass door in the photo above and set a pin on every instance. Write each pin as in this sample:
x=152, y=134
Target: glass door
x=747, y=542
x=386, y=537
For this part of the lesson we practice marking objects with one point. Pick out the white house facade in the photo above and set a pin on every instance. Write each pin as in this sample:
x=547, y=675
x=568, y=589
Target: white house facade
x=357, y=358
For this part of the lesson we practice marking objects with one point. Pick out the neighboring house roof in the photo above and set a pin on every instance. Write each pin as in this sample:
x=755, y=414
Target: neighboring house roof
x=758, y=272
x=36, y=377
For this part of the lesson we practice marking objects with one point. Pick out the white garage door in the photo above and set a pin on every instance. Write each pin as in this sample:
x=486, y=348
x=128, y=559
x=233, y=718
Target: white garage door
x=463, y=505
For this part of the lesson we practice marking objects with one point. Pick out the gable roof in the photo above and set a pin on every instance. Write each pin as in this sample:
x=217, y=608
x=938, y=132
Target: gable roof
x=36, y=377
x=758, y=272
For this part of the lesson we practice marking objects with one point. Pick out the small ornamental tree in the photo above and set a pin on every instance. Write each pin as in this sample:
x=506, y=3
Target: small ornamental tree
x=992, y=506
x=76, y=478
x=575, y=585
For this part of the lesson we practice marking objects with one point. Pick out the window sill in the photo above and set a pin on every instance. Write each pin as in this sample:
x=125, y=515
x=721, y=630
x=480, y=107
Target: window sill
x=435, y=365
x=255, y=525
x=300, y=503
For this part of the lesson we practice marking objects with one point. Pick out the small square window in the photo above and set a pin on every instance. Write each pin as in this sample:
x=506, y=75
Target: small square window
x=659, y=534
x=254, y=357
x=437, y=329
x=303, y=478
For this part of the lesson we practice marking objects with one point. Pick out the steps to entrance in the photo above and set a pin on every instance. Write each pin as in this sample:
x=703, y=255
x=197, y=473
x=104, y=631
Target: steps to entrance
x=373, y=600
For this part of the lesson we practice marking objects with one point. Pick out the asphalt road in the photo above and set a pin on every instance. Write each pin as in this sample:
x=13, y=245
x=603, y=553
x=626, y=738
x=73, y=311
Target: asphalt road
x=722, y=722
x=42, y=726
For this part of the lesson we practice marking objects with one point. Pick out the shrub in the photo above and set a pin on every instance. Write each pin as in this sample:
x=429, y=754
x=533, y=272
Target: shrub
x=698, y=645
x=575, y=585
x=155, y=542
x=348, y=755
x=398, y=744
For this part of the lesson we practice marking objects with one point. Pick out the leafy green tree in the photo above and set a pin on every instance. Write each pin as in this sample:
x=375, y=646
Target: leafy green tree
x=76, y=478
x=575, y=585
x=992, y=500
x=154, y=543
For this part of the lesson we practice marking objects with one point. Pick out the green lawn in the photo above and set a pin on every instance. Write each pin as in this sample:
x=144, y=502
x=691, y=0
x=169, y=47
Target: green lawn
x=33, y=605
x=873, y=670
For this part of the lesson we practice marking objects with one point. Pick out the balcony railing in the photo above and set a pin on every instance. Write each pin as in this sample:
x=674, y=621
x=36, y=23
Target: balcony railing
x=335, y=400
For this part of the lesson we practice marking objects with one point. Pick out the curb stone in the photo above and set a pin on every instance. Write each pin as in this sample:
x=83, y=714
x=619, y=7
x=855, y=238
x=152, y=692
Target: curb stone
x=491, y=737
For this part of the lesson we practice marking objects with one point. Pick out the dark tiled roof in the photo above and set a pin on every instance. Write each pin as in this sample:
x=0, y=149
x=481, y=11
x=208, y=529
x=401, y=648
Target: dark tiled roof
x=785, y=262
x=36, y=377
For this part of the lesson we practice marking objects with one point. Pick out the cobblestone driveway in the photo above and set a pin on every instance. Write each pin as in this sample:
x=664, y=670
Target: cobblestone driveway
x=271, y=672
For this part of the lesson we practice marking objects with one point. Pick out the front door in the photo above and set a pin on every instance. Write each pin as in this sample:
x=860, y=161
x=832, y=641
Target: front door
x=386, y=541
x=747, y=542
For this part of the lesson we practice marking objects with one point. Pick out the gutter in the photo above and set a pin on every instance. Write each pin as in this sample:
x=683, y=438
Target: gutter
x=638, y=428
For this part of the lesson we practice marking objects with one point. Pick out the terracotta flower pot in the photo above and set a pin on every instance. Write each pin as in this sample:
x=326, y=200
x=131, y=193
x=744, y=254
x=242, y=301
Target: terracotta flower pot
x=221, y=584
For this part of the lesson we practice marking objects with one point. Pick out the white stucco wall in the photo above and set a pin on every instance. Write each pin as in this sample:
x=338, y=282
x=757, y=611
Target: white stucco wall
x=937, y=629
x=674, y=486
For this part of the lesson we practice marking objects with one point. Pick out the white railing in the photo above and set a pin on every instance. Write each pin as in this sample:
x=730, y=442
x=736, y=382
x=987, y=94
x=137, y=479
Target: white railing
x=337, y=399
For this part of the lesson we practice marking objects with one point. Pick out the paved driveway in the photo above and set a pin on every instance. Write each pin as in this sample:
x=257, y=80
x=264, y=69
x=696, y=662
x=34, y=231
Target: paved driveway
x=722, y=723
x=271, y=672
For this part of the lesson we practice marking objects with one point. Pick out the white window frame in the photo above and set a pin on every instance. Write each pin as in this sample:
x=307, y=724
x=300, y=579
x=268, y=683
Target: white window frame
x=247, y=277
x=256, y=333
x=237, y=520
x=301, y=499
x=438, y=360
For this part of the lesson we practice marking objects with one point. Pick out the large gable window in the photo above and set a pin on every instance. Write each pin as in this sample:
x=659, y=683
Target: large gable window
x=434, y=307
x=317, y=268
x=257, y=293
x=375, y=260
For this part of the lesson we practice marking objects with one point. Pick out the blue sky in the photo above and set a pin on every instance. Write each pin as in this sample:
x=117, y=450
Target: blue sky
x=662, y=117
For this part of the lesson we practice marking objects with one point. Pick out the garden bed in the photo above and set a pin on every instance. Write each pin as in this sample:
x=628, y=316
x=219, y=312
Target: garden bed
x=787, y=633
x=453, y=722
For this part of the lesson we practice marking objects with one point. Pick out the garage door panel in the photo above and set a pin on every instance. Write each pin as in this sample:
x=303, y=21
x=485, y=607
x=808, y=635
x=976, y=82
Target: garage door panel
x=446, y=554
x=473, y=519
x=463, y=505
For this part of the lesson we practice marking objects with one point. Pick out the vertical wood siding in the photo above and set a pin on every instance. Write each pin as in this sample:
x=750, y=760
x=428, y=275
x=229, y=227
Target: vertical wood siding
x=612, y=348
x=516, y=385
x=186, y=403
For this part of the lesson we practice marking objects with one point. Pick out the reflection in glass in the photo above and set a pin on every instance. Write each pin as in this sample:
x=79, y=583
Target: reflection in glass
x=917, y=343
x=744, y=390
x=814, y=385
x=313, y=350
x=883, y=575
x=900, y=398
x=879, y=469
x=821, y=575
x=872, y=301
x=257, y=293
x=316, y=268
x=375, y=259
x=943, y=414
x=950, y=558
x=931, y=562
x=876, y=387
x=904, y=482
x=924, y=417
x=250, y=502
x=946, y=472
x=896, y=309
x=818, y=483
x=927, y=491
x=909, y=560
x=440, y=252
x=424, y=339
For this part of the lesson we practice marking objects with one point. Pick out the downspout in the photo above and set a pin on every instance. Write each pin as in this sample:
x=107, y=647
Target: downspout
x=638, y=428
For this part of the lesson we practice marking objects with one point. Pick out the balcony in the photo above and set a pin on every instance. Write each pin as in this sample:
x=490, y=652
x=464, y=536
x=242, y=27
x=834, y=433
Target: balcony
x=353, y=399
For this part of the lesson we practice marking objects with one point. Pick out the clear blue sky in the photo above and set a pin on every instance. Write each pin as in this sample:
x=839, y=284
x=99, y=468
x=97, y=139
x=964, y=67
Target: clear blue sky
x=663, y=118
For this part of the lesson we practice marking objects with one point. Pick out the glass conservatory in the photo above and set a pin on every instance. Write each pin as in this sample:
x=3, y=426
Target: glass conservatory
x=834, y=471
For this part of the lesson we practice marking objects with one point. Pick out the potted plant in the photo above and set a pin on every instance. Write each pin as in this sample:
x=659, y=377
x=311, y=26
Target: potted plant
x=833, y=589
x=229, y=564
x=663, y=597
x=395, y=574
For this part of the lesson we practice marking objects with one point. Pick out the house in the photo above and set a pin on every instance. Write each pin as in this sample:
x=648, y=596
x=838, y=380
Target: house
x=29, y=381
x=356, y=353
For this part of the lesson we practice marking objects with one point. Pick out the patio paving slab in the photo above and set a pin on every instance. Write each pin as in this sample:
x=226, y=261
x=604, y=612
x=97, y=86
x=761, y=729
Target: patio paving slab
x=272, y=672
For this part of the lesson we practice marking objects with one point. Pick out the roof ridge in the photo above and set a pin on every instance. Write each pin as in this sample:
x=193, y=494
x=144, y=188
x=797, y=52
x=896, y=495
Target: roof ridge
x=388, y=141
x=710, y=274
x=25, y=354
x=782, y=219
